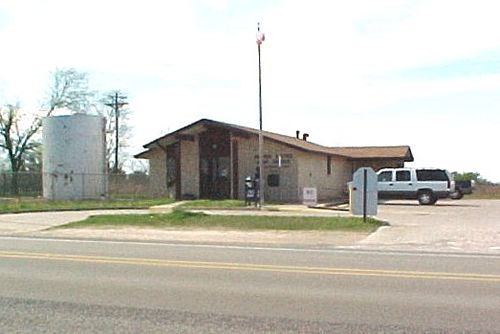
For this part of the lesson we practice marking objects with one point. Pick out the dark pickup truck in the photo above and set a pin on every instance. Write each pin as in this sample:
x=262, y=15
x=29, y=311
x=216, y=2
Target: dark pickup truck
x=462, y=187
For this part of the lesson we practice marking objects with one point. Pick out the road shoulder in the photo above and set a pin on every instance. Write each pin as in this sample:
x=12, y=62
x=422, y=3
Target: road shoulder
x=309, y=238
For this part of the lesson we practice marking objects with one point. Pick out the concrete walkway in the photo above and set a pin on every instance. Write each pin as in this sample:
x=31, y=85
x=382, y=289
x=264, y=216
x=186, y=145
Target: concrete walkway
x=19, y=223
x=38, y=224
x=30, y=222
x=283, y=211
x=165, y=208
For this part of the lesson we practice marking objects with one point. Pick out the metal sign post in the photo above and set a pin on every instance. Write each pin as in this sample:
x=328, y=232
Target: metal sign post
x=363, y=194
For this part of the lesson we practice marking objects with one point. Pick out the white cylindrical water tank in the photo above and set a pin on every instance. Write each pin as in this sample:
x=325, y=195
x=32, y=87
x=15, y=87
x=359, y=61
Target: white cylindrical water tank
x=74, y=150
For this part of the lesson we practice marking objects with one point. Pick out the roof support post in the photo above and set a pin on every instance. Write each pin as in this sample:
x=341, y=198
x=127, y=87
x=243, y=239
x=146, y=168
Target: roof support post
x=231, y=172
x=164, y=149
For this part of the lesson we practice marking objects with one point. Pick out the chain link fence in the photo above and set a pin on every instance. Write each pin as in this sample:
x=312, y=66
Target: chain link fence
x=81, y=186
x=21, y=184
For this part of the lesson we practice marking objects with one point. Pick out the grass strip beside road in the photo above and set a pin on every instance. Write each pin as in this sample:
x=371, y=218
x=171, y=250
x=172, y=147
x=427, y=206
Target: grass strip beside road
x=183, y=219
x=211, y=204
x=19, y=205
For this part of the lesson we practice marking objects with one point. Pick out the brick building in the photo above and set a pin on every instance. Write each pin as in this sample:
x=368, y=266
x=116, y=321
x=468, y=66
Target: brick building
x=210, y=159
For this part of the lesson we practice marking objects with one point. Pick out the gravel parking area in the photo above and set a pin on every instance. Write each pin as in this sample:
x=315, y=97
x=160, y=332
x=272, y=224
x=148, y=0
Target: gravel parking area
x=463, y=225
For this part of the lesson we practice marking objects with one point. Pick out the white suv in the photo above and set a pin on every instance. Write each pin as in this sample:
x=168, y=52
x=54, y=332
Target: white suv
x=424, y=184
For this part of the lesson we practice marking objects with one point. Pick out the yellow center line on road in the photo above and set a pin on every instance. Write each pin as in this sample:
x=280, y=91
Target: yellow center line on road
x=253, y=267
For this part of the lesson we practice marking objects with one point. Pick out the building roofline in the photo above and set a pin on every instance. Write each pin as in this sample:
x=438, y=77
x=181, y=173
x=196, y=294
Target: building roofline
x=355, y=153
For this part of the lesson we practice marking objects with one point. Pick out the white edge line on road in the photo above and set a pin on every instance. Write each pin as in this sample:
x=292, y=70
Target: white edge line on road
x=276, y=249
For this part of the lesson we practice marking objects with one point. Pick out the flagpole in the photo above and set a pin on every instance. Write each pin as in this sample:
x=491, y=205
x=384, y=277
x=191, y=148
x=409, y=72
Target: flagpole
x=260, y=39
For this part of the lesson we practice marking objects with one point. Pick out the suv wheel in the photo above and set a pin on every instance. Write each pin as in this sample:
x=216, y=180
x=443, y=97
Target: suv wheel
x=457, y=194
x=426, y=197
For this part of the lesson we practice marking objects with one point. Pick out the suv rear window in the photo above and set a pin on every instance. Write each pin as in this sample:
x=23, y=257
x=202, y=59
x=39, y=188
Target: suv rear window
x=431, y=175
x=403, y=175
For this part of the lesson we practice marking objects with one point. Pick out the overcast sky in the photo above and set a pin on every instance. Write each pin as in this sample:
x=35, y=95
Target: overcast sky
x=350, y=73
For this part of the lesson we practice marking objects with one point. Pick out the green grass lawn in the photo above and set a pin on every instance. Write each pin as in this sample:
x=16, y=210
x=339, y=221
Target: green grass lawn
x=212, y=204
x=180, y=219
x=32, y=205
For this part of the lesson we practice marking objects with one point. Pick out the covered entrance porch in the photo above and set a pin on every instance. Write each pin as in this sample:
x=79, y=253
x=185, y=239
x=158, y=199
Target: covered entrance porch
x=218, y=164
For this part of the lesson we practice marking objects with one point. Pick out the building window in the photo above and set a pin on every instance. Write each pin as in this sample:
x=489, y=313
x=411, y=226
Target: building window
x=273, y=180
x=328, y=165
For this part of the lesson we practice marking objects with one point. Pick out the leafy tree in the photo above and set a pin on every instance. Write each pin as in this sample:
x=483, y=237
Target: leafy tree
x=473, y=176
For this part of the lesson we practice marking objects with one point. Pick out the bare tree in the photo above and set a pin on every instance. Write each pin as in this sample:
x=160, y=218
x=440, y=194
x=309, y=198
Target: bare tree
x=33, y=159
x=69, y=89
x=15, y=139
x=124, y=130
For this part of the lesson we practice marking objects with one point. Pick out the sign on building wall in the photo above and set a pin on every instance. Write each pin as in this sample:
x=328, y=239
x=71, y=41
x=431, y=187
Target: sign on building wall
x=276, y=161
x=309, y=196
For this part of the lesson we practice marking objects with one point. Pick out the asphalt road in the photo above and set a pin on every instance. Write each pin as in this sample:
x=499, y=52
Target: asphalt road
x=84, y=286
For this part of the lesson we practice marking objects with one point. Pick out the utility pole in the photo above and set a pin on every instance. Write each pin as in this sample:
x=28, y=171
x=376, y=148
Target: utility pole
x=118, y=101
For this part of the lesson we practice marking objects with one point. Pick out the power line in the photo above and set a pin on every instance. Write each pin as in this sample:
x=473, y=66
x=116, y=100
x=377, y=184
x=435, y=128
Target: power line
x=118, y=101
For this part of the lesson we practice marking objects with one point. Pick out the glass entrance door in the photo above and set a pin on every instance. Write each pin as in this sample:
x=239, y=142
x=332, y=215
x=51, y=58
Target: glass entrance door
x=215, y=176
